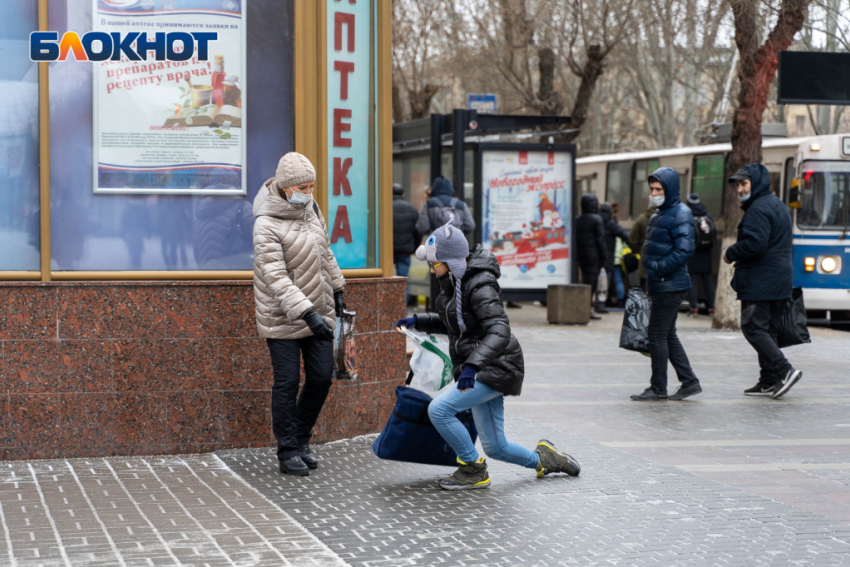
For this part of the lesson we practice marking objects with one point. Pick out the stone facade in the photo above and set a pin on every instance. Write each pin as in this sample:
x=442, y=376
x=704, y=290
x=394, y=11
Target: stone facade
x=129, y=368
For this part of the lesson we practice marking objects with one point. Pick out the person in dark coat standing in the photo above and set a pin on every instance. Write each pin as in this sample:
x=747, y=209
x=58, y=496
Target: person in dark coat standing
x=700, y=265
x=487, y=359
x=590, y=244
x=637, y=238
x=763, y=276
x=613, y=231
x=668, y=249
x=405, y=236
x=442, y=207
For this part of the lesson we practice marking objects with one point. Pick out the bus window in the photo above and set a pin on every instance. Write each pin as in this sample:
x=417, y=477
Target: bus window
x=789, y=177
x=708, y=182
x=640, y=186
x=617, y=187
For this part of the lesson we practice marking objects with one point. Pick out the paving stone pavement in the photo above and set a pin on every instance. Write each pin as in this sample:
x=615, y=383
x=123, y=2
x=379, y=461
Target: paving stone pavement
x=189, y=510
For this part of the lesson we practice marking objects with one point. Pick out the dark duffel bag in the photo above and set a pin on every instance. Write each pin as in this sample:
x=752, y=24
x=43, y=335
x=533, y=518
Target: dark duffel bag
x=635, y=332
x=409, y=435
x=793, y=329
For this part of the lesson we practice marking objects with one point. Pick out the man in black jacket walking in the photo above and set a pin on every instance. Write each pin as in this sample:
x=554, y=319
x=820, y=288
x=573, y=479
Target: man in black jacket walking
x=405, y=236
x=763, y=276
x=590, y=244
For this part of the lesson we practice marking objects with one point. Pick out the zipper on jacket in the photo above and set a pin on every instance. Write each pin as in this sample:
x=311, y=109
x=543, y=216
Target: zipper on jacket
x=319, y=251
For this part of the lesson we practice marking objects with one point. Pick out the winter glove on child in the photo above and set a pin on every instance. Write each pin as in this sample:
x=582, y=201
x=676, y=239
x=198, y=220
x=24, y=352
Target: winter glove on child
x=339, y=303
x=410, y=323
x=467, y=377
x=320, y=329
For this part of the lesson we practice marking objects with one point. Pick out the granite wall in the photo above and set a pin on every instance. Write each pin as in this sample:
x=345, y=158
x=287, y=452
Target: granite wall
x=101, y=368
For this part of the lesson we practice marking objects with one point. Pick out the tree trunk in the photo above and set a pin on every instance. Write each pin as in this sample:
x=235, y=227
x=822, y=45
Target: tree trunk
x=692, y=76
x=420, y=101
x=548, y=99
x=756, y=71
x=398, y=106
x=824, y=112
x=590, y=73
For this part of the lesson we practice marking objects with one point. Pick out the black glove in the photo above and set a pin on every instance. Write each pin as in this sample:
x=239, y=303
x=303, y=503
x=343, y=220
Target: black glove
x=339, y=302
x=320, y=329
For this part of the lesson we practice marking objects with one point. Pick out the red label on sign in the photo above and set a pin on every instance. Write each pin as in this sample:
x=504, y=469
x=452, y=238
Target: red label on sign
x=551, y=158
x=523, y=158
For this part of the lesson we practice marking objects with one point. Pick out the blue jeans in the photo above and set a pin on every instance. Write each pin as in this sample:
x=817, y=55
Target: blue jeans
x=402, y=266
x=488, y=411
x=618, y=282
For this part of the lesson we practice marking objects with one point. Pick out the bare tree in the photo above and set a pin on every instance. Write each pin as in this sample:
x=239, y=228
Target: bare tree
x=756, y=71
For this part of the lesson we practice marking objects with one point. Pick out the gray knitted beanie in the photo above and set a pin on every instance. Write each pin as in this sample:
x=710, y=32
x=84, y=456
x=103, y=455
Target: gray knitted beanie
x=294, y=169
x=448, y=245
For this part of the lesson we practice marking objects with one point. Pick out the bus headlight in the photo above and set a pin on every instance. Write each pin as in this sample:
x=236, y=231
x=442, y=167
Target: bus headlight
x=810, y=264
x=830, y=264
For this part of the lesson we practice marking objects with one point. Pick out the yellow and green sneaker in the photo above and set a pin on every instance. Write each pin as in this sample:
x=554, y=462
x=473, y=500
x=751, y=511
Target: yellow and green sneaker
x=468, y=476
x=552, y=460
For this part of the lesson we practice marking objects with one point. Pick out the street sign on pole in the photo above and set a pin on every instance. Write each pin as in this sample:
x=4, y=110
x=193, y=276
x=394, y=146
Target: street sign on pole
x=483, y=103
x=814, y=78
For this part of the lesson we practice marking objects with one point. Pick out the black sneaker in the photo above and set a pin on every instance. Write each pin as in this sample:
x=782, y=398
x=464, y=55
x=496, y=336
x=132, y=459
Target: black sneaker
x=683, y=392
x=294, y=466
x=785, y=384
x=468, y=476
x=649, y=396
x=760, y=390
x=552, y=460
x=309, y=457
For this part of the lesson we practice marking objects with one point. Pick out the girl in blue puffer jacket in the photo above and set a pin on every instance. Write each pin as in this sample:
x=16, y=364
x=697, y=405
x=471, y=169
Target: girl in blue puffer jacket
x=669, y=246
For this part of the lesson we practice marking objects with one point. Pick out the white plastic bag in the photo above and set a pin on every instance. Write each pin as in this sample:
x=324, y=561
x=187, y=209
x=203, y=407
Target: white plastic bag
x=431, y=364
x=602, y=286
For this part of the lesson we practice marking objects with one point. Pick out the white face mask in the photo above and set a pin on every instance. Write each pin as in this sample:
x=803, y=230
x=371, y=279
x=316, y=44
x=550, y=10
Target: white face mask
x=656, y=200
x=299, y=198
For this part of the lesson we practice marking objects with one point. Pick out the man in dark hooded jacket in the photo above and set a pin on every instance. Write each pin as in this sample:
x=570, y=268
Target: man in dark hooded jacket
x=613, y=231
x=700, y=264
x=405, y=236
x=444, y=208
x=669, y=246
x=763, y=276
x=590, y=243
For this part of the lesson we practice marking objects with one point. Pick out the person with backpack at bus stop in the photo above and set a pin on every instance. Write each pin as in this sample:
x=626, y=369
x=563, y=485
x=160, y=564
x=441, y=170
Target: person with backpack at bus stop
x=443, y=208
x=700, y=264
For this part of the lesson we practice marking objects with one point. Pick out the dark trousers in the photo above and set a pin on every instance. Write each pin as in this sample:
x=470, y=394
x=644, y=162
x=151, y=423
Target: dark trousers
x=664, y=343
x=294, y=416
x=402, y=266
x=759, y=321
x=708, y=284
x=590, y=276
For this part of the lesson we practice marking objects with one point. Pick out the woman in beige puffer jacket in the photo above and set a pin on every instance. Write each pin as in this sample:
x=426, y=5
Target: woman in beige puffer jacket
x=298, y=291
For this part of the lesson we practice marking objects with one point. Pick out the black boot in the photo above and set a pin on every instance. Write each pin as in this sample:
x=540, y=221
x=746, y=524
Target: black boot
x=294, y=466
x=309, y=457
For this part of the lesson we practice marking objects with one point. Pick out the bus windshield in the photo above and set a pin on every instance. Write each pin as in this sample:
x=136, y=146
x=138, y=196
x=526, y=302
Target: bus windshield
x=825, y=195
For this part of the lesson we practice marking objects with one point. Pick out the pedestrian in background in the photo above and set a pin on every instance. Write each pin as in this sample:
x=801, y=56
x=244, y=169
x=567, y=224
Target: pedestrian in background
x=487, y=359
x=590, y=246
x=613, y=231
x=298, y=290
x=705, y=236
x=405, y=236
x=763, y=276
x=669, y=246
x=443, y=207
x=637, y=238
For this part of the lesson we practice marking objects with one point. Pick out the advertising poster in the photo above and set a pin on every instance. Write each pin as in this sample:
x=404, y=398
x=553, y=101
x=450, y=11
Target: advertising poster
x=527, y=216
x=171, y=127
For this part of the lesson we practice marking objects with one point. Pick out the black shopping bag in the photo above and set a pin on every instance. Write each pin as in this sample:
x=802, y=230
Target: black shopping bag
x=792, y=329
x=409, y=435
x=635, y=333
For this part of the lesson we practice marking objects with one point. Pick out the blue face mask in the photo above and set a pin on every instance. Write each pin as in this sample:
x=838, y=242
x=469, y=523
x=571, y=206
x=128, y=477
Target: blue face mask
x=299, y=198
x=747, y=198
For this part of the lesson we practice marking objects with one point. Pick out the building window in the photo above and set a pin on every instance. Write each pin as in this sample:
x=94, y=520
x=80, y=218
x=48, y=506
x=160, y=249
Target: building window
x=640, y=186
x=709, y=182
x=617, y=189
x=19, y=177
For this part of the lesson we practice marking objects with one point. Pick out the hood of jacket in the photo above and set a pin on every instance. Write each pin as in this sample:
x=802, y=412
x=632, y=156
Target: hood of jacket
x=270, y=204
x=589, y=204
x=698, y=209
x=759, y=181
x=669, y=179
x=606, y=211
x=442, y=187
x=481, y=260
